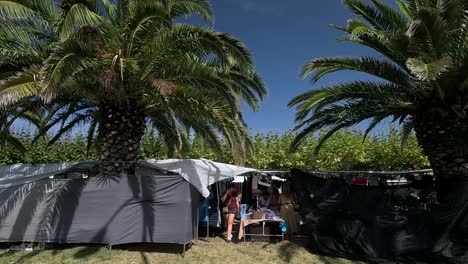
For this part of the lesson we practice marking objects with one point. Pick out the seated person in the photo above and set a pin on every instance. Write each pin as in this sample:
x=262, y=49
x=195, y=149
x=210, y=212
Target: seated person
x=264, y=199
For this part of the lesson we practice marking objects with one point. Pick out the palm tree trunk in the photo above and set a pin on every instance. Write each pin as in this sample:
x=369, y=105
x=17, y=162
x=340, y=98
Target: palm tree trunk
x=445, y=143
x=120, y=133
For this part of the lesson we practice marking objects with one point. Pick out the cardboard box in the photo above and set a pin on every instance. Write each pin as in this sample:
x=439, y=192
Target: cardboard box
x=258, y=215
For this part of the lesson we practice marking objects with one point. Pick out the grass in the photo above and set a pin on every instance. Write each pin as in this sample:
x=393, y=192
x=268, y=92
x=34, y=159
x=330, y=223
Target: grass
x=214, y=250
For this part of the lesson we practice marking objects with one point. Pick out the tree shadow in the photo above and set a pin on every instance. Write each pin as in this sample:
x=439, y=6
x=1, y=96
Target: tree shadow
x=34, y=196
x=24, y=257
x=45, y=210
x=287, y=251
x=32, y=211
x=144, y=258
x=87, y=252
x=154, y=248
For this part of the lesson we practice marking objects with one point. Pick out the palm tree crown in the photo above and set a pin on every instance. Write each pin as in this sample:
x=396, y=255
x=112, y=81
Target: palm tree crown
x=122, y=65
x=422, y=72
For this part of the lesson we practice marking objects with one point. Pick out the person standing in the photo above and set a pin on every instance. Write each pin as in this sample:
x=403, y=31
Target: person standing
x=230, y=202
x=287, y=212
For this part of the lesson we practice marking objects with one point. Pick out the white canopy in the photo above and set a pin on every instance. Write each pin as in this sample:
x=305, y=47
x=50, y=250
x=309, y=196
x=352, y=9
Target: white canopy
x=201, y=173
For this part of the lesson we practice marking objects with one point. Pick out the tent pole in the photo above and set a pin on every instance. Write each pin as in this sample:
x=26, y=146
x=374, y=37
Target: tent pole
x=197, y=223
x=208, y=217
x=208, y=211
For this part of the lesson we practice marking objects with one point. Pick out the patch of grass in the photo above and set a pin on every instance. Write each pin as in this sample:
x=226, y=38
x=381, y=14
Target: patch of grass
x=214, y=250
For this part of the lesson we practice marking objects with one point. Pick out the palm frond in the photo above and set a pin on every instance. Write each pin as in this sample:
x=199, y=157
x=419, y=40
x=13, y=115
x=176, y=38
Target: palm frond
x=381, y=18
x=396, y=20
x=45, y=8
x=9, y=9
x=406, y=130
x=379, y=68
x=429, y=71
x=79, y=15
x=179, y=8
x=111, y=10
x=24, y=84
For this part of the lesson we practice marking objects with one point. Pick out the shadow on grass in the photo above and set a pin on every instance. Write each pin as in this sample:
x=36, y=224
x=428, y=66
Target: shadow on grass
x=144, y=258
x=290, y=248
x=154, y=248
x=27, y=256
x=287, y=251
x=22, y=258
x=87, y=252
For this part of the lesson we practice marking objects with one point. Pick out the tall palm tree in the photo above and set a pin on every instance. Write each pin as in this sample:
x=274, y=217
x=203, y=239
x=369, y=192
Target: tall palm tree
x=422, y=74
x=127, y=65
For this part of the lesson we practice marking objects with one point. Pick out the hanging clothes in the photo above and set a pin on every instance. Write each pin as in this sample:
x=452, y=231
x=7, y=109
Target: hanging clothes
x=255, y=182
x=287, y=213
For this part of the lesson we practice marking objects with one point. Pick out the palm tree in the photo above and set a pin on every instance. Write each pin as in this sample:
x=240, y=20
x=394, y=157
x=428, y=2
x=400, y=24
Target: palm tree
x=422, y=74
x=127, y=65
x=25, y=111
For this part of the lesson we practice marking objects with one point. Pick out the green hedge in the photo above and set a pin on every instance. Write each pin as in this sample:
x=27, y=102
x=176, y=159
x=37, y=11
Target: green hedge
x=345, y=151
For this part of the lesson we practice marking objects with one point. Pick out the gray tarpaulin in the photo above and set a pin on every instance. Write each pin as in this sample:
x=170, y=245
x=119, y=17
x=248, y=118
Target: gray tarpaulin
x=148, y=207
x=201, y=173
x=159, y=204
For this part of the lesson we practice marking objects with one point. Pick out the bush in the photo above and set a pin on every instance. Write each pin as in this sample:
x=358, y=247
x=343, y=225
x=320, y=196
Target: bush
x=346, y=150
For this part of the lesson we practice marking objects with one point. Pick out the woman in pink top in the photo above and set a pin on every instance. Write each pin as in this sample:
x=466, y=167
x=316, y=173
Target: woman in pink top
x=230, y=201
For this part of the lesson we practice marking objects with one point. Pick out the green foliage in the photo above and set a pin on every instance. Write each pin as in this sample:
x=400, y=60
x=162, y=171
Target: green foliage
x=346, y=150
x=66, y=150
x=420, y=71
x=82, y=57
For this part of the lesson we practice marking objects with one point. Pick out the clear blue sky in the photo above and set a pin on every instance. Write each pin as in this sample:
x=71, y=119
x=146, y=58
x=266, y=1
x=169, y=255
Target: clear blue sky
x=283, y=35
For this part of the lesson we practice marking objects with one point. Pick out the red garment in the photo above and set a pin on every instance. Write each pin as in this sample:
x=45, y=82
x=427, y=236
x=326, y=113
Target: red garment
x=231, y=200
x=360, y=181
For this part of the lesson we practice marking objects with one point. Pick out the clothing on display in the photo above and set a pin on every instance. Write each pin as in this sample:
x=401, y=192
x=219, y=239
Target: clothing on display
x=264, y=201
x=255, y=182
x=264, y=180
x=269, y=214
x=288, y=213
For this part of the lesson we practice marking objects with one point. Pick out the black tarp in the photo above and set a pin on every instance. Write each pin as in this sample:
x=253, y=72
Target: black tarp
x=379, y=224
x=151, y=206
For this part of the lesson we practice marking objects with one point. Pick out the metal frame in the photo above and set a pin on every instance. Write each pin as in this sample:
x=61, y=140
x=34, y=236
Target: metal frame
x=263, y=230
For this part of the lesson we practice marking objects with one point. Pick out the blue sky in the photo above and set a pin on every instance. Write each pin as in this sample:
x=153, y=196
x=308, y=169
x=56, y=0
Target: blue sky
x=283, y=35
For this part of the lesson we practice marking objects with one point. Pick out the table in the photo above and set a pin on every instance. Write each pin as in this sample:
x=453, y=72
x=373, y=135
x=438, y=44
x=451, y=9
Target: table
x=246, y=222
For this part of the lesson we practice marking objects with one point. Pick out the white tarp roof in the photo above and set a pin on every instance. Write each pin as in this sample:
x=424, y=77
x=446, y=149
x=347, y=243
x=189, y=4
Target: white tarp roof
x=13, y=175
x=241, y=179
x=207, y=171
x=201, y=173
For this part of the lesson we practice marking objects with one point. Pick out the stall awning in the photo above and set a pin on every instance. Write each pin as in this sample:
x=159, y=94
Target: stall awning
x=201, y=173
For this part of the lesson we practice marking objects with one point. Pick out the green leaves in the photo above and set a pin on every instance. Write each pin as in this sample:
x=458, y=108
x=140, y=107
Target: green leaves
x=77, y=16
x=131, y=54
x=23, y=84
x=346, y=150
x=429, y=71
x=381, y=17
x=9, y=9
x=111, y=10
x=423, y=45
x=178, y=8
x=380, y=68
x=45, y=8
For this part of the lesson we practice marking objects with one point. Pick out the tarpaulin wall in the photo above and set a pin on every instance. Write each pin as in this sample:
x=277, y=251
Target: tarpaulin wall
x=148, y=207
x=376, y=223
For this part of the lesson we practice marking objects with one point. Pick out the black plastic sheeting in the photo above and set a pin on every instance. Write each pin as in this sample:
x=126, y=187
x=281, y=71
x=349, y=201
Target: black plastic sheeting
x=381, y=224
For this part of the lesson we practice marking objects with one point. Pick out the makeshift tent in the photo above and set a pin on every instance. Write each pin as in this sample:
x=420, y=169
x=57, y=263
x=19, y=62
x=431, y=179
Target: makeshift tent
x=58, y=202
x=378, y=222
